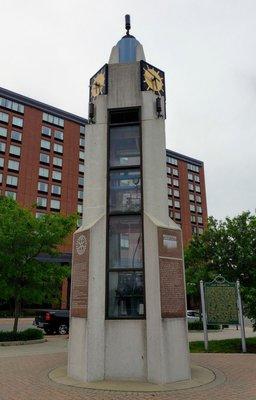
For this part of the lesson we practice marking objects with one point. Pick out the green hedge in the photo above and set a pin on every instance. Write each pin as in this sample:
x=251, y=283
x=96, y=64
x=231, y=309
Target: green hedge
x=198, y=326
x=24, y=313
x=27, y=334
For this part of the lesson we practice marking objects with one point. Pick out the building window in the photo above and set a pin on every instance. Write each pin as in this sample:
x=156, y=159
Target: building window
x=1, y=178
x=4, y=117
x=82, y=129
x=81, y=168
x=169, y=191
x=3, y=131
x=58, y=148
x=169, y=181
x=193, y=167
x=56, y=175
x=175, y=182
x=169, y=170
x=44, y=172
x=192, y=207
x=1, y=162
x=44, y=158
x=53, y=119
x=13, y=165
x=176, y=193
x=198, y=190
x=199, y=209
x=177, y=215
x=14, y=150
x=194, y=230
x=2, y=147
x=81, y=181
x=200, y=230
x=80, y=194
x=17, y=121
x=58, y=135
x=55, y=204
x=170, y=202
x=190, y=176
x=198, y=199
x=81, y=142
x=45, y=144
x=12, y=195
x=42, y=187
x=80, y=208
x=171, y=160
x=81, y=155
x=191, y=197
x=197, y=178
x=176, y=204
x=41, y=202
x=175, y=172
x=15, y=135
x=191, y=186
x=56, y=189
x=57, y=161
x=12, y=180
x=192, y=218
x=39, y=215
x=46, y=131
x=11, y=105
x=200, y=219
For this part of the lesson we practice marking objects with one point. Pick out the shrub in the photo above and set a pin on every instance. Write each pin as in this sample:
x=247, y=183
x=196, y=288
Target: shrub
x=27, y=334
x=198, y=326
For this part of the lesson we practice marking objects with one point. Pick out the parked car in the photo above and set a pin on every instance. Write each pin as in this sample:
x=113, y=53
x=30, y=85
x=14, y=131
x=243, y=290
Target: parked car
x=52, y=321
x=193, y=315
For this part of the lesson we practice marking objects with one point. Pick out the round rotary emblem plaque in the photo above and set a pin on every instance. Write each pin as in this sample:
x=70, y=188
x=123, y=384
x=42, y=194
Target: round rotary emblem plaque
x=81, y=245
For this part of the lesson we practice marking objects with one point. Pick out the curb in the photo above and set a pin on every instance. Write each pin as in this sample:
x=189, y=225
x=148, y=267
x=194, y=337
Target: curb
x=22, y=342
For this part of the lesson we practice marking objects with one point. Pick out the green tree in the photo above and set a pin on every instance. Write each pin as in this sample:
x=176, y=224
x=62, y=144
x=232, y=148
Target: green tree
x=22, y=238
x=228, y=248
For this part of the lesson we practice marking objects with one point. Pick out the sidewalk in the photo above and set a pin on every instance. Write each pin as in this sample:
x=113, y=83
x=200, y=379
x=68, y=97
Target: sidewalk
x=227, y=333
x=24, y=376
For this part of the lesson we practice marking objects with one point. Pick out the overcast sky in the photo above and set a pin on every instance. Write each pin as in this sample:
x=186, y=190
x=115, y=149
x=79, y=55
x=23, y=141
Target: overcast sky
x=49, y=49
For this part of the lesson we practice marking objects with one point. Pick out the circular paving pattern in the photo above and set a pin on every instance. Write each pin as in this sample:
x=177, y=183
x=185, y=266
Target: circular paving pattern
x=199, y=376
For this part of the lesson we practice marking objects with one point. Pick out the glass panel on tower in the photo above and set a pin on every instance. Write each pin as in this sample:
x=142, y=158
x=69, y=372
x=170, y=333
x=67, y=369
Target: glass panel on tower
x=125, y=242
x=124, y=145
x=126, y=294
x=125, y=191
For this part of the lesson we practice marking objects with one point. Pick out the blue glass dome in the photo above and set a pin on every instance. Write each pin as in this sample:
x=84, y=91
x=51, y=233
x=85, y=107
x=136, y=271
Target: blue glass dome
x=127, y=49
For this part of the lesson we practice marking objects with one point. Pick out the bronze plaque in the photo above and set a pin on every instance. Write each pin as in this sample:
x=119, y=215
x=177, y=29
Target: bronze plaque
x=169, y=243
x=172, y=288
x=80, y=274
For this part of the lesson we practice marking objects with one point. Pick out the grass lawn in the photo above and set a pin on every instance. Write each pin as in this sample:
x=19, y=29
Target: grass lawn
x=224, y=346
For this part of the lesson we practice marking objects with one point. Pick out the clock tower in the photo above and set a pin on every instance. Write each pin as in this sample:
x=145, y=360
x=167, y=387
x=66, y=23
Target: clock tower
x=128, y=307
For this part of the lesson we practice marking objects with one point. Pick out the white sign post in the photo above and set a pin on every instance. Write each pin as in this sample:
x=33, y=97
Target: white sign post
x=241, y=317
x=204, y=315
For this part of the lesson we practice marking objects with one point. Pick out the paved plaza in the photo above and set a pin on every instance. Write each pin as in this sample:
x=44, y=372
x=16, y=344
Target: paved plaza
x=24, y=376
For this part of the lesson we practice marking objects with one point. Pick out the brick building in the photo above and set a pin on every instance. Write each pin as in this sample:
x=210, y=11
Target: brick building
x=41, y=165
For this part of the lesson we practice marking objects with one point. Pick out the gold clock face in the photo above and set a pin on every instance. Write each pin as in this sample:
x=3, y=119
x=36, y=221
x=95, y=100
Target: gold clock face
x=98, y=85
x=153, y=79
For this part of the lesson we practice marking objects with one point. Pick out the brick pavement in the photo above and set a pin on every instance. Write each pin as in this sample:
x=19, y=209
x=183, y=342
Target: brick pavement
x=25, y=377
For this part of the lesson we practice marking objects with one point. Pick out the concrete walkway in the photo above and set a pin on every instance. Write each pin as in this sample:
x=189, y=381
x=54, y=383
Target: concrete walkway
x=227, y=333
x=24, y=375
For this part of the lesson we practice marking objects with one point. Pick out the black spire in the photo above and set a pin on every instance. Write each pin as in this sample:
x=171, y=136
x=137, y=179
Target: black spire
x=127, y=24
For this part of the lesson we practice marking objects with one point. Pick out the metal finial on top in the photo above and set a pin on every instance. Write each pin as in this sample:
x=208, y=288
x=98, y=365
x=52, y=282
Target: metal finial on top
x=127, y=24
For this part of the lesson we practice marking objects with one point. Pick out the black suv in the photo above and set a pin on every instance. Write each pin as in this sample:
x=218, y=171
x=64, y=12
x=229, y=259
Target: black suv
x=53, y=321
